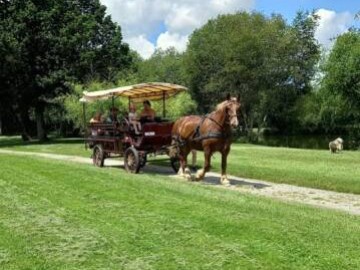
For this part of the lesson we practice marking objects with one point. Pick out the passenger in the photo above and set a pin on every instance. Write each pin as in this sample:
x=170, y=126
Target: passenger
x=133, y=119
x=113, y=114
x=96, y=118
x=147, y=114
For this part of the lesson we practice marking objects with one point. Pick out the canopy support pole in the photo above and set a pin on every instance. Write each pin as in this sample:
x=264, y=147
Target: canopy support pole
x=164, y=111
x=84, y=119
x=113, y=120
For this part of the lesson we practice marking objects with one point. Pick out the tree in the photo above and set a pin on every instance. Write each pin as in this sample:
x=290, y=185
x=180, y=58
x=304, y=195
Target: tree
x=44, y=45
x=266, y=61
x=342, y=69
x=164, y=66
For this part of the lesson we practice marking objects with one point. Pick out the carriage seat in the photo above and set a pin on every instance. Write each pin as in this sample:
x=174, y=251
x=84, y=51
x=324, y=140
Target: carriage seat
x=104, y=129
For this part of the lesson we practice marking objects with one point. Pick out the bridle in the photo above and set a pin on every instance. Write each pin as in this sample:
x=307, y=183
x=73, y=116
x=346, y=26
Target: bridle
x=229, y=115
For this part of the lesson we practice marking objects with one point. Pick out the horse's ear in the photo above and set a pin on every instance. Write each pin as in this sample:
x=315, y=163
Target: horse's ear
x=228, y=96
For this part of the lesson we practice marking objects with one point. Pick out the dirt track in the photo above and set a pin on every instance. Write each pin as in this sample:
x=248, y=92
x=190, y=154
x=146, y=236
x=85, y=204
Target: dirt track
x=349, y=203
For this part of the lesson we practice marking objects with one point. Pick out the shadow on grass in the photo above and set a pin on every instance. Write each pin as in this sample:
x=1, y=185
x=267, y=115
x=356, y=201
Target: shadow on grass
x=212, y=180
x=17, y=141
x=164, y=168
x=209, y=179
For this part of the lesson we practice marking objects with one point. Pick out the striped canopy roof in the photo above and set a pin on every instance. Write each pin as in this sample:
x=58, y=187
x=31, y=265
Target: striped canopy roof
x=150, y=91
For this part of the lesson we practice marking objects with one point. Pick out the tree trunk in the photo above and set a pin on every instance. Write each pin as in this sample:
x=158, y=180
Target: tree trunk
x=40, y=125
x=21, y=117
x=250, y=128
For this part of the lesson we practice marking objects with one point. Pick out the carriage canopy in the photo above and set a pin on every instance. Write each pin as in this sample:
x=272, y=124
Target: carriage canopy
x=151, y=91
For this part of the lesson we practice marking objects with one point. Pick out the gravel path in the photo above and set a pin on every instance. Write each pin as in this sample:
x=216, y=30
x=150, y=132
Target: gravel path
x=349, y=203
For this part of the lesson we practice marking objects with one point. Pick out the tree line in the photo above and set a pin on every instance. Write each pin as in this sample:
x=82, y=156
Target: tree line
x=50, y=51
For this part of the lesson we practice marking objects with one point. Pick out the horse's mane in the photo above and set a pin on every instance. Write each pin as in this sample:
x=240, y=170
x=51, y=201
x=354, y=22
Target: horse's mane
x=222, y=105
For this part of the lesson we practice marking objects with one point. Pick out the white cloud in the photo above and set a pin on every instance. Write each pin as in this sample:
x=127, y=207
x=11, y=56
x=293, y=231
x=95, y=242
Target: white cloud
x=140, y=44
x=186, y=15
x=137, y=17
x=183, y=19
x=140, y=19
x=166, y=40
x=331, y=24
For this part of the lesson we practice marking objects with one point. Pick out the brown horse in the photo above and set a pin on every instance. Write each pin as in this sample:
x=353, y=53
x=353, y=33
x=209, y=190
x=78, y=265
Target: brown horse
x=209, y=133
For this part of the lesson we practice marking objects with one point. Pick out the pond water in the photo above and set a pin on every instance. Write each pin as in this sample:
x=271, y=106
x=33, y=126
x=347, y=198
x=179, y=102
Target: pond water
x=305, y=141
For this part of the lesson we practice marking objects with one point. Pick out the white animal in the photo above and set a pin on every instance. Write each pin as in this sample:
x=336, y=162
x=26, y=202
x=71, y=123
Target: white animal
x=336, y=145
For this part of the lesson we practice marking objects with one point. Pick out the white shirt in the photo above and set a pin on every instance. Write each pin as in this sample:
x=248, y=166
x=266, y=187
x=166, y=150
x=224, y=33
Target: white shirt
x=132, y=116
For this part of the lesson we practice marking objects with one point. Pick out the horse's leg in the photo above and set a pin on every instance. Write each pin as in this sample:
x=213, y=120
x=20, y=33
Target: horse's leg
x=201, y=173
x=224, y=180
x=184, y=171
x=187, y=171
x=182, y=165
x=193, y=160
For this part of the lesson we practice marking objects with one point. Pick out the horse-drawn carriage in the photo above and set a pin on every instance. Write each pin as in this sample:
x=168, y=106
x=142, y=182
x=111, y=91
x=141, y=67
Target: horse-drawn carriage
x=118, y=137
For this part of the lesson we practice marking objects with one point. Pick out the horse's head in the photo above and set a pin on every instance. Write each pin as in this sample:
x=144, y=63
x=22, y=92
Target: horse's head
x=230, y=107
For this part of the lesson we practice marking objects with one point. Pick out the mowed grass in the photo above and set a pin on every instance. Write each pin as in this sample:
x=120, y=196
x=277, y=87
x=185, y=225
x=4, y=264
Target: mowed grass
x=308, y=168
x=301, y=167
x=60, y=146
x=57, y=215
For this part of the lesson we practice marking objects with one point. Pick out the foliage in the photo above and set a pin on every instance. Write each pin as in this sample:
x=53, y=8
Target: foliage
x=180, y=105
x=47, y=44
x=334, y=106
x=267, y=62
x=342, y=73
x=307, y=112
x=163, y=66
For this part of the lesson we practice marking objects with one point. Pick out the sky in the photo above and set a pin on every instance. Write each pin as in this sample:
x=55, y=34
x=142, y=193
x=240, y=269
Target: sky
x=151, y=24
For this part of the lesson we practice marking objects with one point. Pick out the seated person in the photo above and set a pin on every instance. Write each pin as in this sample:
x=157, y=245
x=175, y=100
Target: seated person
x=133, y=118
x=96, y=118
x=147, y=114
x=113, y=114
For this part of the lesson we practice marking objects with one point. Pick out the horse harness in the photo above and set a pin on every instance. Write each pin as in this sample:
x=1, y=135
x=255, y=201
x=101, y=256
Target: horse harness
x=210, y=135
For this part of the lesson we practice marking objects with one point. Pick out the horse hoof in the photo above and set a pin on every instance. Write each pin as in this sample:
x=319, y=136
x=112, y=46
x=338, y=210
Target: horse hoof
x=225, y=181
x=199, y=175
x=181, y=172
x=187, y=174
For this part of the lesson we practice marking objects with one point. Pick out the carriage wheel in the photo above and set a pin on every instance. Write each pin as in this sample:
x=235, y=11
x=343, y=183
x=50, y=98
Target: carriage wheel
x=98, y=156
x=132, y=160
x=175, y=163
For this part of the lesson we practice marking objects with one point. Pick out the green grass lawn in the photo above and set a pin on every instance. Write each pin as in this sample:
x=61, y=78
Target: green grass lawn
x=57, y=215
x=309, y=168
x=67, y=146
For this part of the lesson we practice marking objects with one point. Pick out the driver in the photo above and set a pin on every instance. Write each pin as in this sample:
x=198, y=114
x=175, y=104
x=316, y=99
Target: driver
x=147, y=114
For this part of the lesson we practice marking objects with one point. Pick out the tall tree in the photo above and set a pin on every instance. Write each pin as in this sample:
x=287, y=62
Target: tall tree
x=164, y=65
x=266, y=61
x=47, y=43
x=342, y=69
